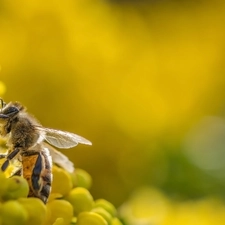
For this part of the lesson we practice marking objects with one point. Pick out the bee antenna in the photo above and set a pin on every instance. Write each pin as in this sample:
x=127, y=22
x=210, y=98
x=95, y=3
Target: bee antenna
x=2, y=103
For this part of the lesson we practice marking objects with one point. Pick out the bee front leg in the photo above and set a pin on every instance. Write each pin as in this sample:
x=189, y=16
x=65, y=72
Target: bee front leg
x=9, y=157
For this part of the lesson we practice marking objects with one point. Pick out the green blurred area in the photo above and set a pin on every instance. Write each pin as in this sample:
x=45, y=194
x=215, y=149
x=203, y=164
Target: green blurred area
x=143, y=82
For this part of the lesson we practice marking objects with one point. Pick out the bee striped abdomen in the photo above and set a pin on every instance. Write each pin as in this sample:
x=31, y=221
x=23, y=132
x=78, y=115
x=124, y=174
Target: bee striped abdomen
x=37, y=171
x=46, y=175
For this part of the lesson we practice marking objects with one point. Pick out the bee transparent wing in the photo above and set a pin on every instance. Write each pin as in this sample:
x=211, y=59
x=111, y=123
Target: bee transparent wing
x=60, y=159
x=62, y=139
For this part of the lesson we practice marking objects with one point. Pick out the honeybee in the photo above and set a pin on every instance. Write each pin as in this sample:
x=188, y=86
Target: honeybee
x=27, y=142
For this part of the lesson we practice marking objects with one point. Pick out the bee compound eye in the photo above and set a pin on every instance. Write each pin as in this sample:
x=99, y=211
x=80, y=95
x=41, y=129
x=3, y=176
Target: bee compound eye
x=10, y=111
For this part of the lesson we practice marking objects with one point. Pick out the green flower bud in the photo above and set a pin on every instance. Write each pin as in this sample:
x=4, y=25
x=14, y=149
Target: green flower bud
x=36, y=210
x=102, y=212
x=59, y=208
x=62, y=182
x=90, y=218
x=16, y=187
x=108, y=206
x=81, y=200
x=82, y=179
x=13, y=213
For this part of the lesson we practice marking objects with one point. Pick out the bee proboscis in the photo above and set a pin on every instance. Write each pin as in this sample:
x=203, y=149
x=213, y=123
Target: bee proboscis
x=26, y=141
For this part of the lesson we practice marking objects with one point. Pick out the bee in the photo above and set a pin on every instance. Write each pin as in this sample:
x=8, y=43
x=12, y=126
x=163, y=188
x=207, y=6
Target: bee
x=30, y=143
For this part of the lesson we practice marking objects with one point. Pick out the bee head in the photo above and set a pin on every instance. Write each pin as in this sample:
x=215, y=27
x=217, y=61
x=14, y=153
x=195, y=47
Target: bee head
x=9, y=111
x=8, y=116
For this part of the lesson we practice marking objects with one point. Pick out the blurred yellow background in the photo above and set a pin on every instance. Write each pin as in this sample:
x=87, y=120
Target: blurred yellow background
x=143, y=80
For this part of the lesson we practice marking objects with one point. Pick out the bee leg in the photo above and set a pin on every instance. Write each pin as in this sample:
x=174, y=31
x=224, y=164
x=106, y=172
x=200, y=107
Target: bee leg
x=9, y=157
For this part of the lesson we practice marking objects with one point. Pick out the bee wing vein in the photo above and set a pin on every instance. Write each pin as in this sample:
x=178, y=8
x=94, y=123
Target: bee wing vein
x=62, y=139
